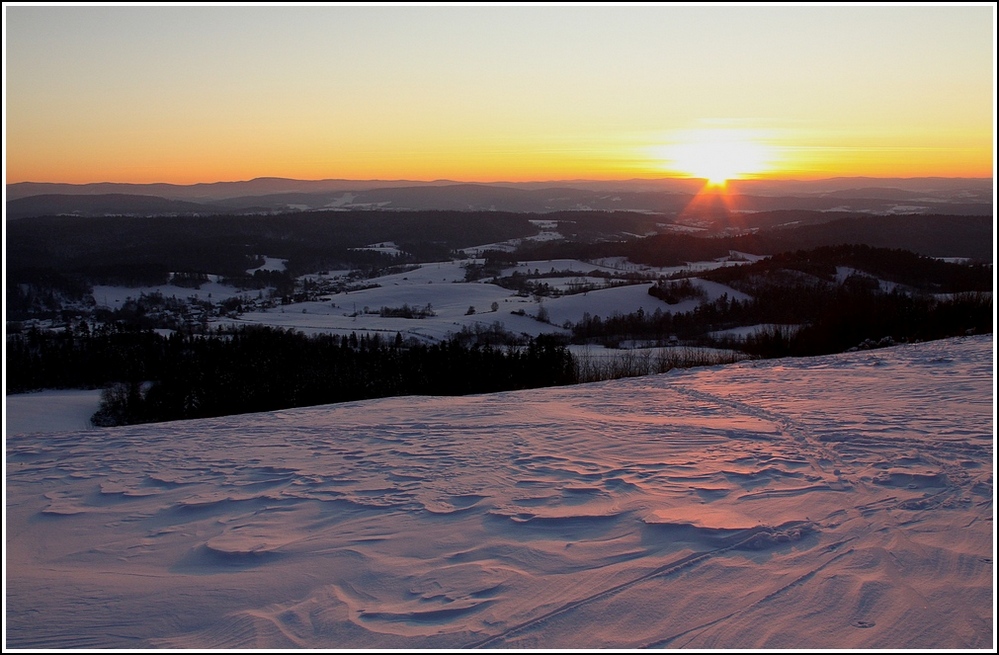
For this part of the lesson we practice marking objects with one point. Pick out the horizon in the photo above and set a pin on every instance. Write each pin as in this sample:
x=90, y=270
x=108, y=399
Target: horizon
x=492, y=94
x=769, y=180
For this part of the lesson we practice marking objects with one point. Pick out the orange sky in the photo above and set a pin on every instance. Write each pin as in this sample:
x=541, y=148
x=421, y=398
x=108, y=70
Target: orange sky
x=488, y=93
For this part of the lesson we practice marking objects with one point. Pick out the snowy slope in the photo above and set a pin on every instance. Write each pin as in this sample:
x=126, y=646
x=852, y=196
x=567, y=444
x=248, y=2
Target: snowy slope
x=442, y=287
x=54, y=410
x=832, y=502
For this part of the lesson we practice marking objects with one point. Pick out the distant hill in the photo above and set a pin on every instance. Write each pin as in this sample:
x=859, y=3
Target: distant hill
x=106, y=204
x=665, y=196
x=209, y=192
x=931, y=235
x=128, y=247
x=979, y=188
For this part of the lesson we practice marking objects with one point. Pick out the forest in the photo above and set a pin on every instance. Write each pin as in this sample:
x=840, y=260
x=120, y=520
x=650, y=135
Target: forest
x=816, y=320
x=930, y=235
x=63, y=256
x=810, y=310
x=149, y=377
x=145, y=250
x=818, y=299
x=804, y=301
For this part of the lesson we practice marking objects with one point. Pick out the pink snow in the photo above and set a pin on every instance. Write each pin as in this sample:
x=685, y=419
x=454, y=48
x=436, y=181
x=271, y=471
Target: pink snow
x=840, y=502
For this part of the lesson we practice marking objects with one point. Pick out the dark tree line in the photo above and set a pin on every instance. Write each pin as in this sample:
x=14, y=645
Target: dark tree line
x=853, y=317
x=148, y=248
x=82, y=357
x=892, y=264
x=930, y=299
x=672, y=292
x=833, y=318
x=149, y=377
x=930, y=235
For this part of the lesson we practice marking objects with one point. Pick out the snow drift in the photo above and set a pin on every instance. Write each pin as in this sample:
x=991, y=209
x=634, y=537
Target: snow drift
x=831, y=502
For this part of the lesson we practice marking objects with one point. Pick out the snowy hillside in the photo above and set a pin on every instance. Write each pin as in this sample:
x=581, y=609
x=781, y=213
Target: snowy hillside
x=452, y=303
x=833, y=502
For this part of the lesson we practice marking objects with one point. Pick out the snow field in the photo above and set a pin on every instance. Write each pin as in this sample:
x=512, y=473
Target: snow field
x=831, y=502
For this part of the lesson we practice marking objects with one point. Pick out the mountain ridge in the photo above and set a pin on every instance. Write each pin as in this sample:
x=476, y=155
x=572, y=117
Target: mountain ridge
x=277, y=184
x=667, y=196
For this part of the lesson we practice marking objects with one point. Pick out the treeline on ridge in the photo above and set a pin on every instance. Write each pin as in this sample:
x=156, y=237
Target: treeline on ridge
x=834, y=320
x=145, y=249
x=141, y=251
x=812, y=307
x=929, y=235
x=891, y=264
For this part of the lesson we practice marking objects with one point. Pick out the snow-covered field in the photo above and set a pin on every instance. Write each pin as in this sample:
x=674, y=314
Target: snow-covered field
x=839, y=502
x=454, y=303
x=442, y=287
x=55, y=410
x=113, y=297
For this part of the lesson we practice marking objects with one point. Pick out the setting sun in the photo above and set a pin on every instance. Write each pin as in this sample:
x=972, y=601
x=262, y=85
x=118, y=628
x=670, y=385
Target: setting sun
x=101, y=94
x=717, y=155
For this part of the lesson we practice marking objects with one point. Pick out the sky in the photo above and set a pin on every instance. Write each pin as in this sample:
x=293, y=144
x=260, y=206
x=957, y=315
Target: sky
x=203, y=93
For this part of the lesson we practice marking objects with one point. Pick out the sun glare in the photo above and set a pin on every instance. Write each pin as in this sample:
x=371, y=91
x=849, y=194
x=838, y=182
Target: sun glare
x=717, y=155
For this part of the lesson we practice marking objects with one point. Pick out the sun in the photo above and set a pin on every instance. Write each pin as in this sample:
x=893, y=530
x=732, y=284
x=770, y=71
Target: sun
x=716, y=155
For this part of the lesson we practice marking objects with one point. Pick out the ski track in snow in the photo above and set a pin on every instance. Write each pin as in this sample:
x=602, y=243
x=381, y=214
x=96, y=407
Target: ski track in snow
x=830, y=502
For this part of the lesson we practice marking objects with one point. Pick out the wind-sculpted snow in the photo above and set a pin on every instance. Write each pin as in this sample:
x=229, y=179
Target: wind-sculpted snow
x=832, y=502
